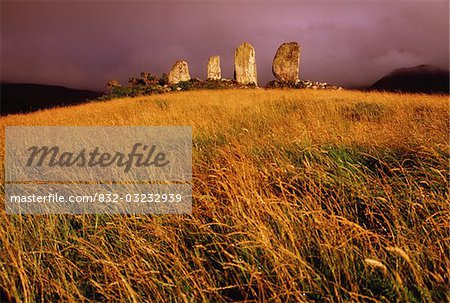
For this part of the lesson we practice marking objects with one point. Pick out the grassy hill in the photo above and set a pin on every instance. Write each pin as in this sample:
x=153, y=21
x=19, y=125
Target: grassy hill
x=298, y=195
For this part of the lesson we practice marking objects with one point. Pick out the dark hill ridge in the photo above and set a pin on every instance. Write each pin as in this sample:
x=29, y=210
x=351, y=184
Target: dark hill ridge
x=418, y=79
x=27, y=97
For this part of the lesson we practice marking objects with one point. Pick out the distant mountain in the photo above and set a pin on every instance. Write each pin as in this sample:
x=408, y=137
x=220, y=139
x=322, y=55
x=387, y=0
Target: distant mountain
x=26, y=97
x=419, y=79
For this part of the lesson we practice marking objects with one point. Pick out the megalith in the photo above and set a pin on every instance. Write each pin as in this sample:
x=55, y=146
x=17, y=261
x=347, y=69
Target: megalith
x=179, y=72
x=245, y=64
x=286, y=63
x=214, y=71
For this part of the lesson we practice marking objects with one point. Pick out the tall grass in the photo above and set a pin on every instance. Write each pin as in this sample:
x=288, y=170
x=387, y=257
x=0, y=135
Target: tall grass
x=306, y=196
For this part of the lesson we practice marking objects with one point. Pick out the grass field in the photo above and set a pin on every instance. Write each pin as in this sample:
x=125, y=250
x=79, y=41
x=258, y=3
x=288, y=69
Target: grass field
x=298, y=196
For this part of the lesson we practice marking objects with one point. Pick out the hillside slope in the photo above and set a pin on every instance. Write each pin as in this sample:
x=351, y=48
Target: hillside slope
x=298, y=196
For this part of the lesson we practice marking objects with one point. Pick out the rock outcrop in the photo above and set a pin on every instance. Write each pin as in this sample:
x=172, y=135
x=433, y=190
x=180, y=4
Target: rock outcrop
x=245, y=64
x=286, y=62
x=299, y=84
x=179, y=72
x=214, y=72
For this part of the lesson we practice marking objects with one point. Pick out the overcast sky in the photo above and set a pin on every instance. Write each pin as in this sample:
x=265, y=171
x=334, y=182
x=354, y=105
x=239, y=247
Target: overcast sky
x=83, y=44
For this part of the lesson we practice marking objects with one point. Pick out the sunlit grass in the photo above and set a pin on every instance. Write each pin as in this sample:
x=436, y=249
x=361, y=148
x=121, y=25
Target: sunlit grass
x=326, y=196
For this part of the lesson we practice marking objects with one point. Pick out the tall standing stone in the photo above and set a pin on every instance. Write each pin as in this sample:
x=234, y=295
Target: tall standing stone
x=214, y=71
x=286, y=62
x=179, y=72
x=245, y=64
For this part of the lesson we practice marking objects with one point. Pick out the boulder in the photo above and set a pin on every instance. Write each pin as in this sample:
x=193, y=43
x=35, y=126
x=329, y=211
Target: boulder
x=286, y=62
x=214, y=71
x=179, y=72
x=245, y=64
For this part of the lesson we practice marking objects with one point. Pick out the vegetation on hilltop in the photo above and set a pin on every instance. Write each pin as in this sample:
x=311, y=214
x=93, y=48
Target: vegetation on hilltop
x=149, y=84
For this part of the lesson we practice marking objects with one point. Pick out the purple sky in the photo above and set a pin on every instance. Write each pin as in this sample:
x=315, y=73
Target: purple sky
x=83, y=44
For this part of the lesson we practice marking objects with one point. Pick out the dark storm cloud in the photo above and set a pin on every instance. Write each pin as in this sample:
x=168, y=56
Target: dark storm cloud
x=85, y=43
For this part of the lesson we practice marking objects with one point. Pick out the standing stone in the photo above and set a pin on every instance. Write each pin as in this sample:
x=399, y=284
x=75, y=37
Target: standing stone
x=214, y=70
x=245, y=64
x=179, y=72
x=286, y=62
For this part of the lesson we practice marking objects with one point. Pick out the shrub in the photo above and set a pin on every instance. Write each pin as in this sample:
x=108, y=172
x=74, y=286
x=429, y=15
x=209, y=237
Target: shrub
x=164, y=80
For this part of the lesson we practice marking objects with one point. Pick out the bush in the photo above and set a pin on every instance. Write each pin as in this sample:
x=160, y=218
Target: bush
x=164, y=80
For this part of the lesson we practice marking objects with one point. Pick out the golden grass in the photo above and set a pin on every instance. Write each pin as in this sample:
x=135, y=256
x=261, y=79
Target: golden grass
x=298, y=195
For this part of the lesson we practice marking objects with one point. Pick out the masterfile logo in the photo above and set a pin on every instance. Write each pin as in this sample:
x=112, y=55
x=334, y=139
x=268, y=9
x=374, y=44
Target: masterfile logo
x=52, y=156
x=52, y=153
